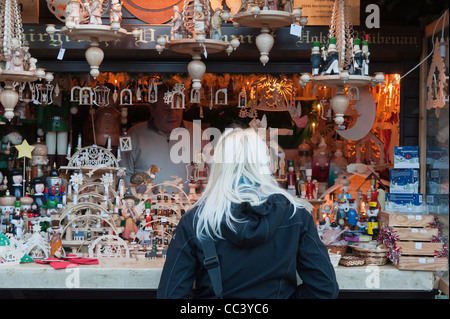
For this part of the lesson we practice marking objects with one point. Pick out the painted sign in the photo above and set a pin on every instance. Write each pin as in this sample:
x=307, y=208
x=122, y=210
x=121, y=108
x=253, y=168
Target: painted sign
x=319, y=11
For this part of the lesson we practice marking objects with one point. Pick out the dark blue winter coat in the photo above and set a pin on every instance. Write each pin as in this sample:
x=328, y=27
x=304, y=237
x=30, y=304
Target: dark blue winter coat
x=258, y=261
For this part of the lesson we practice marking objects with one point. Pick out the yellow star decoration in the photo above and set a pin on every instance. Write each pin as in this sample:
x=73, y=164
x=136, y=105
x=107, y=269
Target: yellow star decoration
x=24, y=149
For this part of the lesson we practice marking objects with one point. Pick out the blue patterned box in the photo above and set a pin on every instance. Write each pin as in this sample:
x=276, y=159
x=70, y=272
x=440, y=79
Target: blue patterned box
x=406, y=157
x=404, y=203
x=403, y=181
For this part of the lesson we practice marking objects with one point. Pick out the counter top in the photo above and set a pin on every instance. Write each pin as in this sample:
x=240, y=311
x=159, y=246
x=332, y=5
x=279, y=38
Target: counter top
x=144, y=274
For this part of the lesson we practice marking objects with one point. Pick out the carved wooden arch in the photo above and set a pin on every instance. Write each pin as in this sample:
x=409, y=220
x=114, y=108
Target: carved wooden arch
x=96, y=197
x=93, y=156
x=106, y=220
x=81, y=206
x=108, y=238
x=163, y=184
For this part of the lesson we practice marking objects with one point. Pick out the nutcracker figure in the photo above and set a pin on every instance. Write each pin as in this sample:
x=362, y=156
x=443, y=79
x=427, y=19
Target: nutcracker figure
x=372, y=225
x=357, y=57
x=54, y=120
x=38, y=196
x=54, y=189
x=316, y=59
x=340, y=215
x=365, y=56
x=361, y=224
x=310, y=186
x=332, y=58
x=17, y=183
x=352, y=214
x=291, y=177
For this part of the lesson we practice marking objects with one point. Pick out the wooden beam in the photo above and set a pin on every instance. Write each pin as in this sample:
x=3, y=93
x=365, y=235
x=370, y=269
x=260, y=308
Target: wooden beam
x=430, y=27
x=423, y=120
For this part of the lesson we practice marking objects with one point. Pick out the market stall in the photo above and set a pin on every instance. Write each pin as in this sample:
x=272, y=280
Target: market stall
x=86, y=188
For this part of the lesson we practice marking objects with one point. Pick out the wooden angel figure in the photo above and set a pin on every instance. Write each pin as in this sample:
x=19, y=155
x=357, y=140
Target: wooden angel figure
x=56, y=249
x=95, y=10
x=115, y=15
x=177, y=20
x=131, y=217
x=199, y=19
x=17, y=59
x=273, y=4
x=73, y=11
x=216, y=23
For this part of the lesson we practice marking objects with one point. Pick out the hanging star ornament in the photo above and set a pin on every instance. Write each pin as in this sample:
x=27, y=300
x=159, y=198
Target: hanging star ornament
x=24, y=149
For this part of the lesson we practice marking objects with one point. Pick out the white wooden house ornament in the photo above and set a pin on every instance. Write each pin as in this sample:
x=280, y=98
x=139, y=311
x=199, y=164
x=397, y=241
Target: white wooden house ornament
x=176, y=97
x=86, y=96
x=221, y=97
x=153, y=92
x=242, y=99
x=436, y=82
x=75, y=94
x=126, y=97
x=195, y=96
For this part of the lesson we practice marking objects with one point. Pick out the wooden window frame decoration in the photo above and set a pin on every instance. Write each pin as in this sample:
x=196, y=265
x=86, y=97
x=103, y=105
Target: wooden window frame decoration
x=74, y=96
x=130, y=94
x=153, y=88
x=217, y=99
x=22, y=88
x=195, y=96
x=91, y=96
x=242, y=99
x=101, y=95
x=353, y=93
x=170, y=97
x=125, y=144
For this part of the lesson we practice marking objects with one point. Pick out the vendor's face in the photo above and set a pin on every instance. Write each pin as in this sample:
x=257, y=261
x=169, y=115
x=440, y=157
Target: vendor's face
x=165, y=118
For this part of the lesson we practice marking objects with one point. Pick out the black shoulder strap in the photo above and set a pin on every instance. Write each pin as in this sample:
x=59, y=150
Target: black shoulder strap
x=212, y=265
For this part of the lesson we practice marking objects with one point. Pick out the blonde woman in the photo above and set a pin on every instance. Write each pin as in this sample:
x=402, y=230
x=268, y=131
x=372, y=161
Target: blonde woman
x=262, y=235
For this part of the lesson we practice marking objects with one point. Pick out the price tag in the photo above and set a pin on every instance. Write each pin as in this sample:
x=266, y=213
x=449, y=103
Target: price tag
x=61, y=53
x=418, y=245
x=414, y=230
x=418, y=217
x=423, y=231
x=296, y=30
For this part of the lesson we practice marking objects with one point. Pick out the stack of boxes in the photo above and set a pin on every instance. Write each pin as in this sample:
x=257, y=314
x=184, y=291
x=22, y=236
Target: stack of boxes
x=403, y=196
x=416, y=240
x=408, y=217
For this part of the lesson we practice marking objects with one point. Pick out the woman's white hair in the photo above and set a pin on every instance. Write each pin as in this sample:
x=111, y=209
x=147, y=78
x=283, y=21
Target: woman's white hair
x=240, y=172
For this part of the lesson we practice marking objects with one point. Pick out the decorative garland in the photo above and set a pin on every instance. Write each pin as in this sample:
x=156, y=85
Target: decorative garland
x=440, y=238
x=389, y=238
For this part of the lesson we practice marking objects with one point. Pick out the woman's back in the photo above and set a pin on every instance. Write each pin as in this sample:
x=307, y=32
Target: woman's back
x=259, y=259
